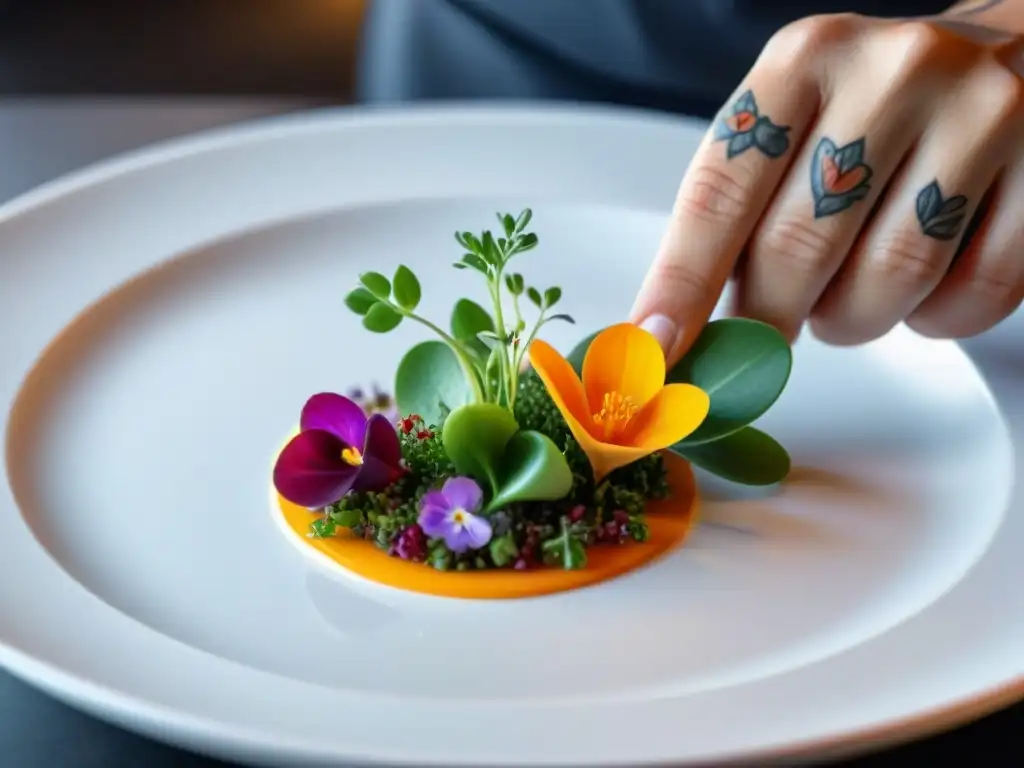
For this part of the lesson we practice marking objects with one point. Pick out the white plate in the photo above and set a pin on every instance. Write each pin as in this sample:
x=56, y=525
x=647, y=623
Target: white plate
x=195, y=290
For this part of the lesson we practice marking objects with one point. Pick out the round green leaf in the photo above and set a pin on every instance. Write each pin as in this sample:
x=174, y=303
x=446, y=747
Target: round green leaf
x=428, y=377
x=376, y=284
x=743, y=365
x=579, y=352
x=381, y=318
x=532, y=469
x=551, y=296
x=406, y=287
x=469, y=319
x=360, y=300
x=535, y=297
x=748, y=456
x=474, y=437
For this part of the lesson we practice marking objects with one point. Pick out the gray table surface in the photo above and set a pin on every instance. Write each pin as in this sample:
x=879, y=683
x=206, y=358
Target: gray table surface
x=40, y=140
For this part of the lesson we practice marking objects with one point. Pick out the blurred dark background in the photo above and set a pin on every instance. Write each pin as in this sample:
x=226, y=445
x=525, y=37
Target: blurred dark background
x=198, y=47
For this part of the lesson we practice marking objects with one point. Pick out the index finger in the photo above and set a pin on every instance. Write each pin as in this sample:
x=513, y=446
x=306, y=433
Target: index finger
x=727, y=187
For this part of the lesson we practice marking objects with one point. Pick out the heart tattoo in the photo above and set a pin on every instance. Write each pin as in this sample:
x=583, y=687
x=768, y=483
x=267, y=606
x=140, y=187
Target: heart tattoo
x=744, y=127
x=839, y=176
x=939, y=217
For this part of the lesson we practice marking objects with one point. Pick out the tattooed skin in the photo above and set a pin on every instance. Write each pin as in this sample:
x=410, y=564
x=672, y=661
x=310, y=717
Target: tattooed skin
x=743, y=127
x=939, y=217
x=839, y=176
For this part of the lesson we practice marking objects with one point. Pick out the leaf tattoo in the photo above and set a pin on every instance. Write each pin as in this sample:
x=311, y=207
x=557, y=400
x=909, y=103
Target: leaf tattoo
x=939, y=217
x=743, y=127
x=839, y=176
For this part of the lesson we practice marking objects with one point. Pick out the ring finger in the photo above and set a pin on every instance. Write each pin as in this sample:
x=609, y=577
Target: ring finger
x=912, y=240
x=825, y=201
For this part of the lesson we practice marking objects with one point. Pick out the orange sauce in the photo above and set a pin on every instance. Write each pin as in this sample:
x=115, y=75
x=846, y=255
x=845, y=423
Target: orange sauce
x=669, y=521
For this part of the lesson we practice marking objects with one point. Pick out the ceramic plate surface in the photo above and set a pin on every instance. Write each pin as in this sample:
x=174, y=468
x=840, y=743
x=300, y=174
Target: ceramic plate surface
x=166, y=315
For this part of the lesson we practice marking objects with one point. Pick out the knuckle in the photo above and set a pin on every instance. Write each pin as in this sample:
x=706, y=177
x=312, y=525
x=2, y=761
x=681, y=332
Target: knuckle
x=683, y=281
x=795, y=242
x=1000, y=283
x=909, y=258
x=1001, y=89
x=812, y=35
x=919, y=41
x=712, y=195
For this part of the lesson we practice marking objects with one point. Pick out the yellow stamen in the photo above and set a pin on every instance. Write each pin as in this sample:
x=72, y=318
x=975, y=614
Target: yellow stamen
x=615, y=414
x=352, y=456
x=459, y=517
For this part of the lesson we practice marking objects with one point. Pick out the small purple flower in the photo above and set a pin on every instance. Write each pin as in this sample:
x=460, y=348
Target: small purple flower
x=449, y=514
x=337, y=450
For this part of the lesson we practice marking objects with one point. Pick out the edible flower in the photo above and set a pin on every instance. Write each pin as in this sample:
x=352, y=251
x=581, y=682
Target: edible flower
x=449, y=514
x=622, y=410
x=338, y=449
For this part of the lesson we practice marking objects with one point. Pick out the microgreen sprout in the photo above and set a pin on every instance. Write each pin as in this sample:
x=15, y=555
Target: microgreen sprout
x=490, y=346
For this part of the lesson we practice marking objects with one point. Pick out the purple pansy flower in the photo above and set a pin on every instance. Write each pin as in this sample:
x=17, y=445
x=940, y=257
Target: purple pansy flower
x=337, y=450
x=449, y=514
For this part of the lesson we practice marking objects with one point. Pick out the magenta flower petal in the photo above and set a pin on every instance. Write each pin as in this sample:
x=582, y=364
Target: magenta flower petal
x=310, y=471
x=382, y=455
x=337, y=415
x=463, y=493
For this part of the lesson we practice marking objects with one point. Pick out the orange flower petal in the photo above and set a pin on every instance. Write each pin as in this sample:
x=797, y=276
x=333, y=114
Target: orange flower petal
x=626, y=359
x=563, y=385
x=605, y=458
x=675, y=412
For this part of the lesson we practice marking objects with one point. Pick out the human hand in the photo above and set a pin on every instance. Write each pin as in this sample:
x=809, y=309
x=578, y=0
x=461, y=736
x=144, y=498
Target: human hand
x=845, y=170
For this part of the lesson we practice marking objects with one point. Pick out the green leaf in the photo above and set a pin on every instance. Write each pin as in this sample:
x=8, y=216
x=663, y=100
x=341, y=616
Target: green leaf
x=376, y=284
x=743, y=365
x=551, y=296
x=474, y=437
x=429, y=381
x=503, y=550
x=535, y=297
x=347, y=518
x=515, y=284
x=532, y=469
x=579, y=352
x=527, y=242
x=524, y=219
x=566, y=318
x=469, y=241
x=508, y=223
x=474, y=261
x=381, y=318
x=748, y=456
x=565, y=550
x=459, y=265
x=406, y=287
x=470, y=319
x=490, y=249
x=360, y=300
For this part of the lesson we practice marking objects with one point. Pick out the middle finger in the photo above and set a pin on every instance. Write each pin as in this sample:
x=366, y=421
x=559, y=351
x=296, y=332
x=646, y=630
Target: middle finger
x=824, y=202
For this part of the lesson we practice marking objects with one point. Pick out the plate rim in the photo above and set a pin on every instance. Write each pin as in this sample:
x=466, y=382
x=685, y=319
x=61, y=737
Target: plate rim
x=52, y=677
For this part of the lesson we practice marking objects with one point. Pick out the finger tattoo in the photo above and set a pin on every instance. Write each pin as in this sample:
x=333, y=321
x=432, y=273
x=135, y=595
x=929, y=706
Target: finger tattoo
x=939, y=217
x=839, y=176
x=742, y=126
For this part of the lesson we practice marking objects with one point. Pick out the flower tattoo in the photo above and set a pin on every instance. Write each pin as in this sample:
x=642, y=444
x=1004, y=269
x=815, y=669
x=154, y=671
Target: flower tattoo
x=939, y=217
x=839, y=176
x=744, y=127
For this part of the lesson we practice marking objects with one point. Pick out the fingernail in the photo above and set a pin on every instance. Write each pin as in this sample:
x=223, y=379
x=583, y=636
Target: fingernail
x=664, y=330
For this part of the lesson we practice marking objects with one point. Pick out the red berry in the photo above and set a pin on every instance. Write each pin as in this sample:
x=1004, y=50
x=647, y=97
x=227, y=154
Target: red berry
x=424, y=434
x=408, y=425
